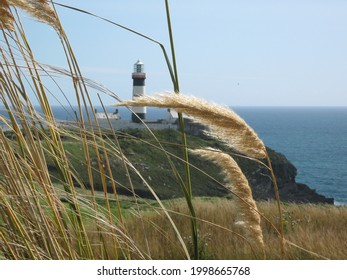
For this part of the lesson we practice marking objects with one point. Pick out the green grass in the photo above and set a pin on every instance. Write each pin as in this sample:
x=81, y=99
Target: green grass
x=138, y=146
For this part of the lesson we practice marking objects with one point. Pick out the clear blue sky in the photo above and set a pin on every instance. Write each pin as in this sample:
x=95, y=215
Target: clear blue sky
x=239, y=53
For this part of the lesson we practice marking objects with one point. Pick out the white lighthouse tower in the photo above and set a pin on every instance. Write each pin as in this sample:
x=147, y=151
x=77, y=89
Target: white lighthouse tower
x=139, y=89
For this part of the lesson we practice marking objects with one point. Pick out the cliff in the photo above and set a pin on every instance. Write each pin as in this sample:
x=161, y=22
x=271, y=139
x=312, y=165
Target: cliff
x=289, y=189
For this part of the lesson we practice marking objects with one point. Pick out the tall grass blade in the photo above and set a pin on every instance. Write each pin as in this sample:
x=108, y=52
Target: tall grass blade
x=188, y=185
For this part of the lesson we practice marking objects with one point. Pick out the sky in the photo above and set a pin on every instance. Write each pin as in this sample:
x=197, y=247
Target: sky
x=233, y=52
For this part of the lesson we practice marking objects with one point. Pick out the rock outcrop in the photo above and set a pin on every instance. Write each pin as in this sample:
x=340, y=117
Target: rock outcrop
x=290, y=191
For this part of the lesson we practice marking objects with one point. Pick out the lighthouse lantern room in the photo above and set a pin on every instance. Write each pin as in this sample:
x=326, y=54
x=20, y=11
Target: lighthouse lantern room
x=139, y=89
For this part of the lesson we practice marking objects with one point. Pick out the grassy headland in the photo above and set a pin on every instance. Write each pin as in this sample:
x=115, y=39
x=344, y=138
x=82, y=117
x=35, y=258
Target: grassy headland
x=150, y=159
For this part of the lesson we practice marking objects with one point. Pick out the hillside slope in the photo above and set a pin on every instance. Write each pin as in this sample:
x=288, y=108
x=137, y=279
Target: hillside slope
x=145, y=154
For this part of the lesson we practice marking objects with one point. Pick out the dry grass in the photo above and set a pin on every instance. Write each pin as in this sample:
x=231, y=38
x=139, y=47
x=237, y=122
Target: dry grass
x=318, y=231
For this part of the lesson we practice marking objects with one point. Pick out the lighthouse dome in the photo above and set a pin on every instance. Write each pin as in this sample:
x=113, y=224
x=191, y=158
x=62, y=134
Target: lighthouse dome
x=139, y=67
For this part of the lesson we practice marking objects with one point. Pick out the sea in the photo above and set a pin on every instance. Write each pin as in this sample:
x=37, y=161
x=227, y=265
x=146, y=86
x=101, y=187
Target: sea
x=314, y=139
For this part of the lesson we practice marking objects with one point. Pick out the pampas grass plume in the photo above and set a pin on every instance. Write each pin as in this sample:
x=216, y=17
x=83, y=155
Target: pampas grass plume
x=237, y=183
x=6, y=18
x=39, y=9
x=223, y=123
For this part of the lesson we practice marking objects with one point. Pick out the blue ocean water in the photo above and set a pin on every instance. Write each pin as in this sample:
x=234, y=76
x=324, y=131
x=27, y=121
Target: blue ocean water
x=314, y=139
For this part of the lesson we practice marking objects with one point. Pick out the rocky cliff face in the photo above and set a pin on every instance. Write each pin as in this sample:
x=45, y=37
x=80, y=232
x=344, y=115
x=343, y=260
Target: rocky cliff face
x=290, y=190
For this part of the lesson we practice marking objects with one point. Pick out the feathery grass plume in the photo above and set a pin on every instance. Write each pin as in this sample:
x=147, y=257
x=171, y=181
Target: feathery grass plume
x=39, y=9
x=224, y=124
x=249, y=216
x=6, y=18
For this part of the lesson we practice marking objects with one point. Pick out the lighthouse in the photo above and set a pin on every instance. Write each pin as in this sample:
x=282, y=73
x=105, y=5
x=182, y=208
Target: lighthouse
x=139, y=89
